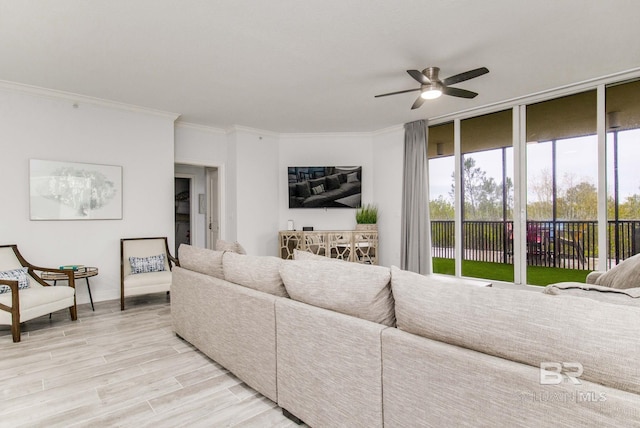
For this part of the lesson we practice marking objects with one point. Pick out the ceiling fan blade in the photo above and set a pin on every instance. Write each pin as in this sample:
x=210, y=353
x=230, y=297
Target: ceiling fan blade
x=465, y=76
x=421, y=78
x=418, y=103
x=457, y=92
x=399, y=92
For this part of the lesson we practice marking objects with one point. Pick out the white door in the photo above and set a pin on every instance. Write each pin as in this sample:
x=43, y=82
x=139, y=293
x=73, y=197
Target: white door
x=213, y=207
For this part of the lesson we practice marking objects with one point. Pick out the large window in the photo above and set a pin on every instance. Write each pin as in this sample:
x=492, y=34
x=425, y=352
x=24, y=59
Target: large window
x=623, y=178
x=562, y=177
x=565, y=202
x=487, y=196
x=441, y=197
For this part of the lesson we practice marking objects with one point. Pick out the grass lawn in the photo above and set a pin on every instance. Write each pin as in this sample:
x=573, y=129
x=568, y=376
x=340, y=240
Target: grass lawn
x=536, y=275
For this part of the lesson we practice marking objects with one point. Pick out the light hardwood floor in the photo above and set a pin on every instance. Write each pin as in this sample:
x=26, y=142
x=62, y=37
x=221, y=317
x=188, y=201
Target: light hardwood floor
x=113, y=368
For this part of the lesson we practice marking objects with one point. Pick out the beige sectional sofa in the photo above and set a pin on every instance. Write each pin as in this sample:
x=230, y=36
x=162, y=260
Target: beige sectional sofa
x=342, y=344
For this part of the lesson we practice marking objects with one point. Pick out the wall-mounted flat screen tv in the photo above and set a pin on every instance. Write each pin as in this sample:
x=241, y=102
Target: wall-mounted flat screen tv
x=325, y=186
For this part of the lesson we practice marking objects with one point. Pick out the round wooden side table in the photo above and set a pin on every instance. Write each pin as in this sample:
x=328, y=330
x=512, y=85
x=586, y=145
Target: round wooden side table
x=87, y=273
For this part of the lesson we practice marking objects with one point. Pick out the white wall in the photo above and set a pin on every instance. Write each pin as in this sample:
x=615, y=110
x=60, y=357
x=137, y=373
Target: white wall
x=388, y=153
x=199, y=147
x=257, y=191
x=255, y=162
x=255, y=174
x=46, y=127
x=324, y=150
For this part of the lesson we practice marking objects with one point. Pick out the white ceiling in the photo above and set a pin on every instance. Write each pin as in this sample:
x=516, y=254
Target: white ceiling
x=310, y=65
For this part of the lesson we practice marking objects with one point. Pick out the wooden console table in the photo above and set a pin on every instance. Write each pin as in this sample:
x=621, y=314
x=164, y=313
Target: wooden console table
x=86, y=274
x=360, y=246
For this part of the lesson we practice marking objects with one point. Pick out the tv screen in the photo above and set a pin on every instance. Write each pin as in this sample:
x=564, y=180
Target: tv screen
x=325, y=186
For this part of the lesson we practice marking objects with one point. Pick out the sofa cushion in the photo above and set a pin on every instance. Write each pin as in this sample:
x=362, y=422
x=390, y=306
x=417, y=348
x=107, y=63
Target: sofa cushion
x=234, y=247
x=627, y=296
x=303, y=189
x=260, y=273
x=233, y=325
x=358, y=290
x=333, y=182
x=329, y=367
x=529, y=327
x=203, y=260
x=159, y=281
x=624, y=275
x=19, y=275
x=37, y=301
x=147, y=264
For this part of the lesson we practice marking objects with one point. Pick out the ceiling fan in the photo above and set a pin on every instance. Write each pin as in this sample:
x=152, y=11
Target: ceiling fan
x=432, y=87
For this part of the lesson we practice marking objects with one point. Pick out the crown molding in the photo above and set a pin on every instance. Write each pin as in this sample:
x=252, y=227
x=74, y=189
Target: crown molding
x=202, y=128
x=388, y=130
x=77, y=98
x=249, y=130
x=295, y=135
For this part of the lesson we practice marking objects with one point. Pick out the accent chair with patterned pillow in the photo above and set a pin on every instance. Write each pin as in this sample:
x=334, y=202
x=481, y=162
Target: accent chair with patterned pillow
x=24, y=295
x=145, y=267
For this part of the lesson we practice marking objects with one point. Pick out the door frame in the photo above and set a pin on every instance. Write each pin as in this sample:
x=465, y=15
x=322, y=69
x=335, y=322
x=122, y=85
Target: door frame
x=221, y=194
x=193, y=207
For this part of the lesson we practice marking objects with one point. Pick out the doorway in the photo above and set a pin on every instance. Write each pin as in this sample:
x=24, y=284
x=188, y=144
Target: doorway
x=183, y=222
x=205, y=186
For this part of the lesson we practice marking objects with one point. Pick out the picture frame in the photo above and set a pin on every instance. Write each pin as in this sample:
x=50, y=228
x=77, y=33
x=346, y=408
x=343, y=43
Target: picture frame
x=324, y=186
x=74, y=191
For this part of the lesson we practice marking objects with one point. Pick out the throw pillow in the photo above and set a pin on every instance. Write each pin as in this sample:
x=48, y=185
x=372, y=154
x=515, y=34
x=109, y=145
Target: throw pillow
x=260, y=273
x=352, y=178
x=624, y=275
x=234, y=247
x=147, y=264
x=361, y=291
x=202, y=260
x=303, y=189
x=318, y=189
x=19, y=275
x=317, y=181
x=333, y=182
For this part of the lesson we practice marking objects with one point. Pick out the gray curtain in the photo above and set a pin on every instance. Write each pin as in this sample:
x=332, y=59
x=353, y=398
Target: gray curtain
x=415, y=252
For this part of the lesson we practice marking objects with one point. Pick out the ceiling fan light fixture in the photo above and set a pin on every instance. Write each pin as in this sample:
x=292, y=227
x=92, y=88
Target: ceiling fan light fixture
x=431, y=87
x=431, y=94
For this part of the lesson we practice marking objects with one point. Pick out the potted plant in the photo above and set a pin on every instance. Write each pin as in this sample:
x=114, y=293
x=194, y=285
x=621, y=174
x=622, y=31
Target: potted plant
x=367, y=217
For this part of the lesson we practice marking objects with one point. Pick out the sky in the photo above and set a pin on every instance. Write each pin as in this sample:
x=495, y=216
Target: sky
x=577, y=157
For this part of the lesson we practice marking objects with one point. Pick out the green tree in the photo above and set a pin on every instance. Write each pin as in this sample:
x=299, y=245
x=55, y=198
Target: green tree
x=540, y=195
x=630, y=209
x=578, y=202
x=441, y=209
x=482, y=194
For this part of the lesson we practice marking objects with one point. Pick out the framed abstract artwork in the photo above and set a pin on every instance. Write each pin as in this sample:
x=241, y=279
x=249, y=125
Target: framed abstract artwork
x=74, y=191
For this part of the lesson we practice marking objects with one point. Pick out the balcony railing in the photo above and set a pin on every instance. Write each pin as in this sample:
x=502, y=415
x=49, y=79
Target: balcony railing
x=559, y=244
